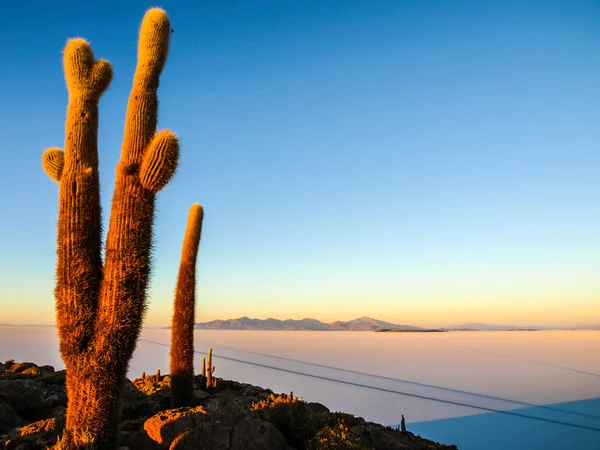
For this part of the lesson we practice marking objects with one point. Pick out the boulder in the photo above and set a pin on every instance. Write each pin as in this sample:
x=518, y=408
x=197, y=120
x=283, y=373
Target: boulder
x=9, y=418
x=31, y=399
x=192, y=428
x=318, y=408
x=203, y=437
x=36, y=436
x=163, y=428
x=252, y=433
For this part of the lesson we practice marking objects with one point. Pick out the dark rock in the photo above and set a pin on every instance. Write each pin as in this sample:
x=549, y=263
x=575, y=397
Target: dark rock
x=203, y=437
x=318, y=408
x=46, y=370
x=377, y=436
x=9, y=418
x=199, y=394
x=251, y=433
x=135, y=402
x=31, y=399
x=57, y=378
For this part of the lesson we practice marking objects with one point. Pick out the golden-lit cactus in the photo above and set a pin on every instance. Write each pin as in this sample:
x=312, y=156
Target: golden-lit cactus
x=100, y=306
x=210, y=370
x=203, y=367
x=182, y=330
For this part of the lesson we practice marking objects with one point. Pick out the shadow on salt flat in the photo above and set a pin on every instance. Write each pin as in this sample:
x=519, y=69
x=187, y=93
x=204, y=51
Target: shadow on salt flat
x=498, y=431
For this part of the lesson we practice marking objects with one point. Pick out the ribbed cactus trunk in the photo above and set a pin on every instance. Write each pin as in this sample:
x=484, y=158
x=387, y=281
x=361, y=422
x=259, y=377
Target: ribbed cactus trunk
x=184, y=311
x=100, y=307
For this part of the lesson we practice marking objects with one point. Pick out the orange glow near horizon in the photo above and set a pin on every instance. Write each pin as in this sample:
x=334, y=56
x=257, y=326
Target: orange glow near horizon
x=536, y=311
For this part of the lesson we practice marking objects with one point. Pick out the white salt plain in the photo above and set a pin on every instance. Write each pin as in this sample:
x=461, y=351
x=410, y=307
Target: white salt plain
x=428, y=377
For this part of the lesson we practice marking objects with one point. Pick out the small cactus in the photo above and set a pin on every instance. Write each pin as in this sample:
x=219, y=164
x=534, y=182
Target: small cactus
x=203, y=367
x=157, y=375
x=210, y=370
x=402, y=424
x=143, y=375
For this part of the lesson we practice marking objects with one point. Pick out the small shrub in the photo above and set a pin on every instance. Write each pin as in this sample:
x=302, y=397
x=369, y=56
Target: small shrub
x=338, y=437
x=291, y=416
x=333, y=419
x=57, y=378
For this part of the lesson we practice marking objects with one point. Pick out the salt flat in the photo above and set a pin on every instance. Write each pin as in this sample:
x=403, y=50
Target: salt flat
x=428, y=377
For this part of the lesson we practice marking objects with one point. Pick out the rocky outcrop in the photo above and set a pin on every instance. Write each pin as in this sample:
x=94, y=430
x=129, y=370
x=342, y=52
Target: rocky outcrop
x=163, y=428
x=28, y=393
x=9, y=418
x=38, y=435
x=229, y=416
x=192, y=428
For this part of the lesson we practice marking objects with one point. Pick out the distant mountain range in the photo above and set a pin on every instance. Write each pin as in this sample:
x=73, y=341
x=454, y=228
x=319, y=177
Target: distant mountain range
x=245, y=323
x=360, y=324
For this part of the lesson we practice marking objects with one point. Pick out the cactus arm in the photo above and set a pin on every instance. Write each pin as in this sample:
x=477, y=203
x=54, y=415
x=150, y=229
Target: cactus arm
x=53, y=161
x=101, y=75
x=129, y=239
x=160, y=161
x=142, y=108
x=182, y=330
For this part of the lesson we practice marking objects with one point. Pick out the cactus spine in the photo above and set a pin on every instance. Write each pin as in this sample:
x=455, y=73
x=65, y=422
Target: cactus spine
x=210, y=370
x=100, y=306
x=182, y=331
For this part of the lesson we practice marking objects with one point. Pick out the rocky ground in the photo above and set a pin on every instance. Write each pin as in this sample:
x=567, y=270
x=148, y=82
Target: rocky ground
x=230, y=415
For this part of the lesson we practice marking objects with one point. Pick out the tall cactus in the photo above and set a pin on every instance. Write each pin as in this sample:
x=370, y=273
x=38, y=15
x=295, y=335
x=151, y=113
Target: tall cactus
x=182, y=330
x=100, y=306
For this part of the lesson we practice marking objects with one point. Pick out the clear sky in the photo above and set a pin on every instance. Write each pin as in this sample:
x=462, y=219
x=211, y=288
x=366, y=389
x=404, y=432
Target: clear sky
x=421, y=162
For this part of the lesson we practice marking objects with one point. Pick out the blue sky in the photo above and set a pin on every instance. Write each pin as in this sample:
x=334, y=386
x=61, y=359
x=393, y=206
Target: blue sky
x=420, y=162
